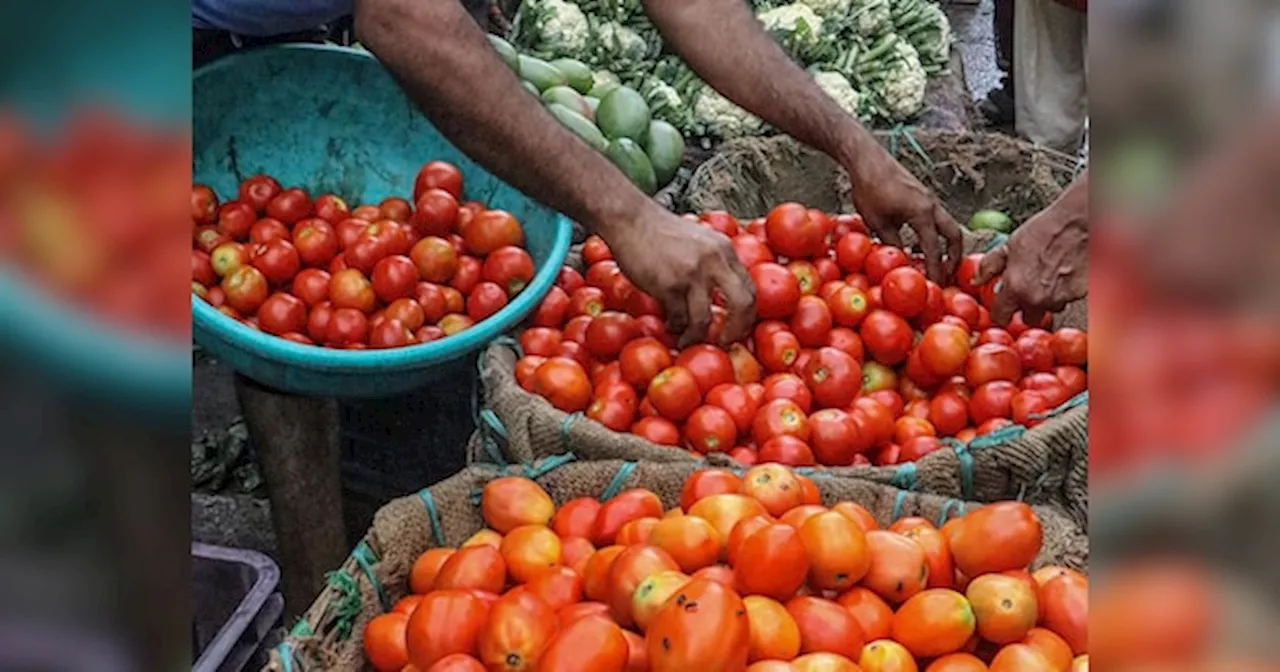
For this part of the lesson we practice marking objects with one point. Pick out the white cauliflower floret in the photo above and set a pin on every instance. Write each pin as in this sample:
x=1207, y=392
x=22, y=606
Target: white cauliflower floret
x=563, y=28
x=722, y=117
x=902, y=90
x=834, y=10
x=872, y=17
x=620, y=42
x=661, y=95
x=795, y=25
x=838, y=87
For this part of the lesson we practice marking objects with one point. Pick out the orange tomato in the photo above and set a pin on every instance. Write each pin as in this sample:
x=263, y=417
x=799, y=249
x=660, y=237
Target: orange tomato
x=422, y=577
x=627, y=506
x=385, y=642
x=812, y=496
x=772, y=562
x=724, y=511
x=771, y=666
x=637, y=652
x=576, y=517
x=936, y=551
x=857, y=514
x=1025, y=577
x=458, y=662
x=575, y=551
x=530, y=550
x=872, y=613
x=707, y=482
x=511, y=501
x=1054, y=648
x=519, y=627
x=690, y=540
x=797, y=516
x=898, y=566
x=1065, y=604
x=995, y=538
x=826, y=627
x=1020, y=658
x=573, y=612
x=559, y=587
x=477, y=567
x=595, y=576
x=934, y=623
x=1005, y=607
x=632, y=566
x=446, y=622
x=636, y=531
x=824, y=662
x=957, y=662
x=1044, y=574
x=774, y=633
x=704, y=627
x=407, y=604
x=483, y=538
x=745, y=528
x=775, y=486
x=837, y=547
x=886, y=655
x=589, y=644
x=718, y=573
x=652, y=593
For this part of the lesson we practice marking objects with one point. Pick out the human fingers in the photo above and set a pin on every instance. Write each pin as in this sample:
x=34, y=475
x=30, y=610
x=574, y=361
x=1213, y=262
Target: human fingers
x=699, y=306
x=1006, y=304
x=992, y=264
x=739, y=299
x=676, y=307
x=887, y=233
x=950, y=230
x=1032, y=314
x=932, y=253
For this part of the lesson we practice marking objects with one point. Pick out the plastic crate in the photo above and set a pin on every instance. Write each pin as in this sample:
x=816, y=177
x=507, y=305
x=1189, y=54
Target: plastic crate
x=236, y=608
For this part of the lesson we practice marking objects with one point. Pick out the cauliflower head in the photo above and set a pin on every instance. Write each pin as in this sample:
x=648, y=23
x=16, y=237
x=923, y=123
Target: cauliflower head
x=872, y=17
x=722, y=118
x=619, y=43
x=558, y=27
x=829, y=10
x=901, y=89
x=839, y=89
x=796, y=26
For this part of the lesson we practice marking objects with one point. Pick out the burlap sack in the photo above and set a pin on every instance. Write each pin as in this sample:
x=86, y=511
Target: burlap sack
x=1048, y=464
x=328, y=637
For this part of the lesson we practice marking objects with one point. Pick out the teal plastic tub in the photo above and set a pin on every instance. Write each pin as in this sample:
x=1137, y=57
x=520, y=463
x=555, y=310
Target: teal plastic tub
x=331, y=119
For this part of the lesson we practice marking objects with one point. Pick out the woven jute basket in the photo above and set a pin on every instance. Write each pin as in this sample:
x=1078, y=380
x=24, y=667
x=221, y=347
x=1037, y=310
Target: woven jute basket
x=1047, y=464
x=376, y=575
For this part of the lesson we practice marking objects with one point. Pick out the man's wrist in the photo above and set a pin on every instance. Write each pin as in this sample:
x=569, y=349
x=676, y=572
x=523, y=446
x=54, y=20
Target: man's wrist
x=624, y=206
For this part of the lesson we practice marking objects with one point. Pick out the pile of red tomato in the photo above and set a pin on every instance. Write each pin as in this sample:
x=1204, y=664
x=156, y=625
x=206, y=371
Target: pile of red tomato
x=749, y=573
x=856, y=358
x=390, y=275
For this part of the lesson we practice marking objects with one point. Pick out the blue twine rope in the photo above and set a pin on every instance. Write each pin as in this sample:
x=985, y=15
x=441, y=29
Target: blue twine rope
x=997, y=239
x=898, y=500
x=285, y=651
x=433, y=514
x=966, y=465
x=548, y=465
x=364, y=556
x=565, y=426
x=904, y=478
x=945, y=514
x=1078, y=400
x=615, y=486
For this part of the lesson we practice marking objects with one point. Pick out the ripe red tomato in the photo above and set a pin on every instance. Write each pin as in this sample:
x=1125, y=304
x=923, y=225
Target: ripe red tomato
x=935, y=307
x=368, y=250
x=1035, y=350
x=883, y=259
x=408, y=311
x=435, y=259
x=1047, y=384
x=908, y=427
x=849, y=306
x=468, y=274
x=965, y=272
x=1028, y=403
x=777, y=291
x=509, y=267
x=877, y=419
x=267, y=229
x=564, y=383
x=432, y=299
x=394, y=277
x=642, y=359
x=778, y=418
x=917, y=447
x=792, y=232
x=246, y=288
x=351, y=289
x=204, y=205
x=453, y=323
x=311, y=285
x=943, y=350
x=1017, y=325
x=612, y=413
x=1070, y=347
x=290, y=206
x=788, y=450
x=674, y=392
x=485, y=300
x=227, y=257
x=778, y=351
x=811, y=322
x=608, y=333
x=1073, y=377
x=710, y=429
x=332, y=209
x=992, y=362
x=316, y=242
x=905, y=291
x=368, y=213
x=207, y=238
x=553, y=310
x=258, y=191
x=235, y=219
x=752, y=251
x=887, y=336
x=835, y=438
x=390, y=333
x=438, y=175
x=658, y=430
x=949, y=413
x=719, y=220
x=787, y=386
x=435, y=214
x=282, y=313
x=962, y=306
x=202, y=268
x=346, y=326
x=709, y=365
x=540, y=341
x=852, y=250
x=992, y=400
x=834, y=377
x=994, y=335
x=395, y=209
x=491, y=230
x=349, y=231
x=318, y=321
x=737, y=401
x=588, y=301
x=806, y=275
x=848, y=341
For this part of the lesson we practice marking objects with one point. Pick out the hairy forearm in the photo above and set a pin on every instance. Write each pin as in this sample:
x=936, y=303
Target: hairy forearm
x=726, y=45
x=446, y=66
x=1074, y=201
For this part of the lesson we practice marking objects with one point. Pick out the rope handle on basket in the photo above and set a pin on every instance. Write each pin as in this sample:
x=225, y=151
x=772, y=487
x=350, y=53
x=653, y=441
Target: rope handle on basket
x=433, y=515
x=365, y=557
x=566, y=441
x=485, y=419
x=945, y=514
x=619, y=479
x=285, y=648
x=904, y=477
x=537, y=470
x=966, y=466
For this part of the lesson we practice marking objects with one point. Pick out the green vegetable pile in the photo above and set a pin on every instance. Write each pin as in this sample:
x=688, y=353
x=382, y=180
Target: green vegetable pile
x=874, y=57
x=613, y=118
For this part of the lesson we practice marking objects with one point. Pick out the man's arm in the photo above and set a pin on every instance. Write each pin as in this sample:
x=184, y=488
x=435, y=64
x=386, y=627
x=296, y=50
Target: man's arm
x=447, y=67
x=726, y=45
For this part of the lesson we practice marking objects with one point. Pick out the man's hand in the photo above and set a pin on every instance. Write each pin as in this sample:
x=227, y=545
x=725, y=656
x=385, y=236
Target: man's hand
x=679, y=263
x=1045, y=264
x=887, y=196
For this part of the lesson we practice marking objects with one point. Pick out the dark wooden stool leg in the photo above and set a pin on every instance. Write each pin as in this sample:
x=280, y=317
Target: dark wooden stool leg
x=298, y=441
